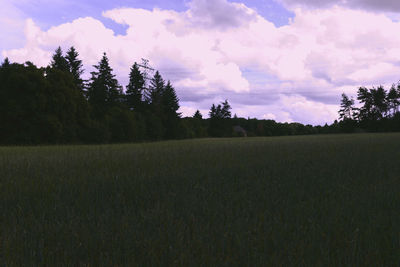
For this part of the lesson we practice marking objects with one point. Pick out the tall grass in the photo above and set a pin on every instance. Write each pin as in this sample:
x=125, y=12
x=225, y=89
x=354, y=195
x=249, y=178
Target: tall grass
x=287, y=201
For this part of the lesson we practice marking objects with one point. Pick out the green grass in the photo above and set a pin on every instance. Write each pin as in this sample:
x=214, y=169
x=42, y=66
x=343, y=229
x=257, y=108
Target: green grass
x=283, y=201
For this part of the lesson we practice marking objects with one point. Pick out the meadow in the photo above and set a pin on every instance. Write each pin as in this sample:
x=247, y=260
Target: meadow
x=330, y=200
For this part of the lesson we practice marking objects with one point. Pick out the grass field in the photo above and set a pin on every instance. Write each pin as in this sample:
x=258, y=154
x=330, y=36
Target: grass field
x=283, y=201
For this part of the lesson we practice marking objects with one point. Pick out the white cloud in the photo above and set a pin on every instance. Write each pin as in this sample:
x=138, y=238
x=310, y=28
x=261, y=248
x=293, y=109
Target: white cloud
x=320, y=54
x=11, y=26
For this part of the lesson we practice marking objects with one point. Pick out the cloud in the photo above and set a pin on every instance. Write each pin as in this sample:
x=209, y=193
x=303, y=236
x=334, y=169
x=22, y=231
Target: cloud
x=11, y=26
x=370, y=5
x=219, y=14
x=208, y=55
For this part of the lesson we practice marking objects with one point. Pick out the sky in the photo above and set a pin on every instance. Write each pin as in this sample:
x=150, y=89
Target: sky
x=287, y=60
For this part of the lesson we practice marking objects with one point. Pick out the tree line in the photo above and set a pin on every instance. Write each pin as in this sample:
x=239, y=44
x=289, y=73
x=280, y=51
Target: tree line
x=54, y=104
x=377, y=111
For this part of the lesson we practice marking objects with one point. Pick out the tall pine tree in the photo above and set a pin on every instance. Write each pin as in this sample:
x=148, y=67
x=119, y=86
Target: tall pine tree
x=347, y=108
x=58, y=61
x=104, y=91
x=170, y=101
x=134, y=90
x=75, y=67
x=6, y=63
x=157, y=85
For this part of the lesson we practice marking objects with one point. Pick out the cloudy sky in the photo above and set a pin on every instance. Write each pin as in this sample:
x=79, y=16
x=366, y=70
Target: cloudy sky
x=287, y=60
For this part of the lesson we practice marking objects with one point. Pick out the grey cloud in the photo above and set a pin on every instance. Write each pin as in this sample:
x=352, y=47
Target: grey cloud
x=372, y=5
x=219, y=14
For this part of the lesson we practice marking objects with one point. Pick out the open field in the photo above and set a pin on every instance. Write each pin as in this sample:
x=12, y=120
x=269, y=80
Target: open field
x=285, y=201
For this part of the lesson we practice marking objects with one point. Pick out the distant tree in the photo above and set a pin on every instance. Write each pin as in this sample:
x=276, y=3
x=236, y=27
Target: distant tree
x=6, y=63
x=365, y=98
x=134, y=90
x=220, y=123
x=197, y=115
x=347, y=108
x=75, y=67
x=226, y=110
x=170, y=101
x=66, y=104
x=380, y=106
x=393, y=100
x=157, y=86
x=104, y=91
x=213, y=111
x=58, y=61
x=222, y=111
x=40, y=105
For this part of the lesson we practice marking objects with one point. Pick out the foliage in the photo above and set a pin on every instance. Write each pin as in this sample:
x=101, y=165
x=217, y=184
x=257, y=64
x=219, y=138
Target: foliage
x=104, y=91
x=55, y=105
x=347, y=111
x=75, y=67
x=135, y=89
x=58, y=61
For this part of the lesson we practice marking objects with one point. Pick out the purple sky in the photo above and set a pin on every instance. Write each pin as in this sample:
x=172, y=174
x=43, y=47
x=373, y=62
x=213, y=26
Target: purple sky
x=287, y=60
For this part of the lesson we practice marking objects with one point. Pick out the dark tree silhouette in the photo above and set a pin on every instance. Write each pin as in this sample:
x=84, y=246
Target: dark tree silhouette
x=365, y=98
x=104, y=92
x=170, y=101
x=58, y=61
x=226, y=110
x=6, y=63
x=380, y=106
x=393, y=100
x=220, y=123
x=222, y=111
x=197, y=115
x=347, y=108
x=75, y=67
x=134, y=90
x=157, y=86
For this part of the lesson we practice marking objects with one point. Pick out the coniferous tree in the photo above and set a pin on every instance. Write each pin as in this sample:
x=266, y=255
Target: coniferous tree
x=220, y=125
x=75, y=67
x=393, y=100
x=134, y=90
x=380, y=106
x=170, y=101
x=58, y=61
x=226, y=110
x=365, y=98
x=213, y=111
x=347, y=108
x=157, y=86
x=104, y=91
x=170, y=105
x=6, y=63
x=197, y=115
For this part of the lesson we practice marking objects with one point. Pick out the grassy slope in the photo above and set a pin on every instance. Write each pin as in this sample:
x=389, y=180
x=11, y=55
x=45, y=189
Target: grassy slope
x=313, y=200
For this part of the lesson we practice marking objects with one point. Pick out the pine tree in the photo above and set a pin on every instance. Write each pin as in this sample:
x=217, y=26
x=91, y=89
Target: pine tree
x=213, y=111
x=58, y=61
x=364, y=96
x=75, y=67
x=222, y=111
x=393, y=100
x=157, y=86
x=6, y=63
x=380, y=106
x=347, y=108
x=104, y=90
x=197, y=115
x=170, y=101
x=134, y=90
x=226, y=110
